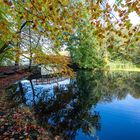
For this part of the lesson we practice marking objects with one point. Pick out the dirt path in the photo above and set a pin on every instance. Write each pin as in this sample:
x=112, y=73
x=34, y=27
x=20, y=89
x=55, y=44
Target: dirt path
x=10, y=79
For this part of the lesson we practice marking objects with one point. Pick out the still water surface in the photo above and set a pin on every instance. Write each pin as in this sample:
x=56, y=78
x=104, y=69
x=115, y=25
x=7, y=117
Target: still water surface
x=90, y=106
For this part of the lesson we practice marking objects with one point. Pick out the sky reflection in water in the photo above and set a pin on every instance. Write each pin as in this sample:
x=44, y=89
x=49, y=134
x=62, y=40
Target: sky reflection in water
x=91, y=106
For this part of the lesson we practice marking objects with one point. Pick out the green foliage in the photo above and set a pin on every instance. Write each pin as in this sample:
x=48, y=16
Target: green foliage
x=84, y=47
x=6, y=58
x=91, y=30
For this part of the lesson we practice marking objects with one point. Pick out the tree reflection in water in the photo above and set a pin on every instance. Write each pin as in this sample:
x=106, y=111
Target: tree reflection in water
x=63, y=109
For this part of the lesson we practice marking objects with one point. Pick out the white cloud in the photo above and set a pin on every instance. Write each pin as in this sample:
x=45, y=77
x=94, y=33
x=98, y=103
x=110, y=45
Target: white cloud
x=134, y=18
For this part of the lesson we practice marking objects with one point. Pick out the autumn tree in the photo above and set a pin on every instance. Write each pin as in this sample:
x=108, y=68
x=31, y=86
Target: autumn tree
x=31, y=21
x=25, y=23
x=115, y=36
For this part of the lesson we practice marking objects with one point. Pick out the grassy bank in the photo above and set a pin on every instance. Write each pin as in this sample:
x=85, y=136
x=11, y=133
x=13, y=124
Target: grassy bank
x=122, y=66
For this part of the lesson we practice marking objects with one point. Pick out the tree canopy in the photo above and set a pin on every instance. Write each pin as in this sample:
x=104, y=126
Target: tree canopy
x=94, y=31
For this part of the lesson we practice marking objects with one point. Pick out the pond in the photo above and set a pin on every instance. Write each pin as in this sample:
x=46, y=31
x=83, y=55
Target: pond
x=90, y=106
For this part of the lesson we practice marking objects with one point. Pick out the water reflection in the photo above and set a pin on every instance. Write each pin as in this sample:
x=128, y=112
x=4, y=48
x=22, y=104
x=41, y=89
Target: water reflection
x=66, y=106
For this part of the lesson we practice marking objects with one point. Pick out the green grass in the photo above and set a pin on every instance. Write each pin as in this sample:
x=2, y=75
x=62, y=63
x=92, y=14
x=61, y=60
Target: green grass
x=122, y=66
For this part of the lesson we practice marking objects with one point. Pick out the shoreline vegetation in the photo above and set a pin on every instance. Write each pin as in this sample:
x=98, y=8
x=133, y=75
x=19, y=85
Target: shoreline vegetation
x=10, y=78
x=123, y=66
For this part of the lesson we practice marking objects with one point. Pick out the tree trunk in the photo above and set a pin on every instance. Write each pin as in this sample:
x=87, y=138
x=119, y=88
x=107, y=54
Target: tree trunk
x=30, y=49
x=17, y=56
